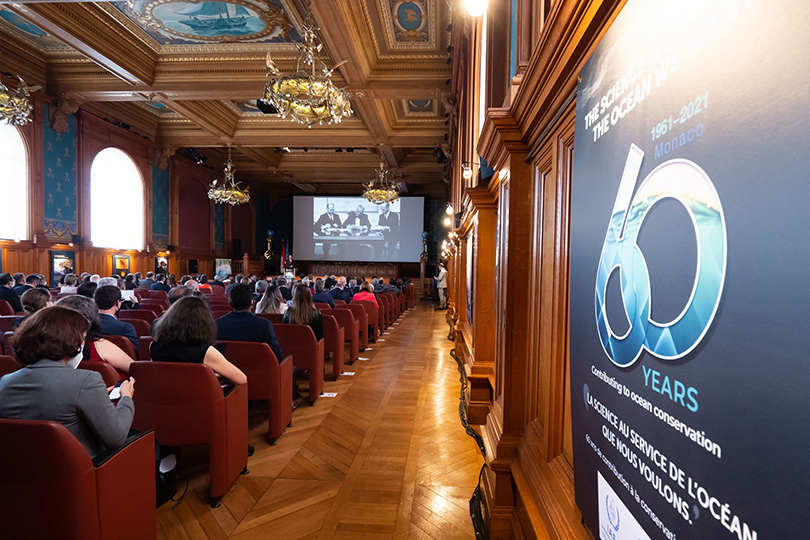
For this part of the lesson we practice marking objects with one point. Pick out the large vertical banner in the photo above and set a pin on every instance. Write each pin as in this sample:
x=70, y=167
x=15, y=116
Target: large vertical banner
x=690, y=274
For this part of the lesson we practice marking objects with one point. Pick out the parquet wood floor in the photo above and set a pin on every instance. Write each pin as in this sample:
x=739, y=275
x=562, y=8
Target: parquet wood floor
x=385, y=459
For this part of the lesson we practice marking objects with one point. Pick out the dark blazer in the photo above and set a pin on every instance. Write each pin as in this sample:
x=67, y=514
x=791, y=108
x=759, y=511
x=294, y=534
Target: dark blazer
x=324, y=297
x=20, y=289
x=345, y=294
x=146, y=283
x=76, y=398
x=130, y=285
x=160, y=287
x=391, y=221
x=11, y=297
x=334, y=221
x=244, y=326
x=113, y=327
x=286, y=293
x=363, y=219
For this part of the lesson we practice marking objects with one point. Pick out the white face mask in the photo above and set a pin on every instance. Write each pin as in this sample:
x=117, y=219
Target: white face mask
x=74, y=362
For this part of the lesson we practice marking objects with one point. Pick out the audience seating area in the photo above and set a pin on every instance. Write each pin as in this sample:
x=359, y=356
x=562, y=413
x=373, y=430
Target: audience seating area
x=178, y=404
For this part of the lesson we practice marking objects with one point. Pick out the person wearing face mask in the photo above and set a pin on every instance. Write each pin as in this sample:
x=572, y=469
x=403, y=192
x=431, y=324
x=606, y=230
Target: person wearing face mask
x=50, y=344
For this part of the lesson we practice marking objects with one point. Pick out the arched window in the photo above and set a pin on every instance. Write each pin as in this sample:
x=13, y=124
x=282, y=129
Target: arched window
x=13, y=185
x=116, y=201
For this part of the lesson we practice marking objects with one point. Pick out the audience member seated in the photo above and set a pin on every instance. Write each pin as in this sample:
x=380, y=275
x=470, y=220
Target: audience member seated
x=366, y=293
x=71, y=283
x=32, y=301
x=236, y=281
x=138, y=277
x=87, y=289
x=8, y=294
x=42, y=283
x=187, y=333
x=108, y=300
x=148, y=282
x=96, y=348
x=286, y=292
x=376, y=286
x=303, y=311
x=181, y=291
x=129, y=282
x=242, y=325
x=272, y=301
x=203, y=279
x=321, y=296
x=31, y=281
x=160, y=284
x=341, y=292
x=50, y=344
x=260, y=287
x=329, y=282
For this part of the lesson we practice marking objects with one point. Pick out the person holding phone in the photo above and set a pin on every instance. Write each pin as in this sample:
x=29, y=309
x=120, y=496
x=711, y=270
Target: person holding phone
x=50, y=344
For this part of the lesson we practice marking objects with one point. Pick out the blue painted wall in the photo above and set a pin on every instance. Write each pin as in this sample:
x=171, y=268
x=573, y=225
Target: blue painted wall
x=160, y=205
x=59, y=160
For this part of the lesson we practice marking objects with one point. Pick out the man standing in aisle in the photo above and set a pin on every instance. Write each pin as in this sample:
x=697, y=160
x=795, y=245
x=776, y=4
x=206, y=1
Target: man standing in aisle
x=441, y=284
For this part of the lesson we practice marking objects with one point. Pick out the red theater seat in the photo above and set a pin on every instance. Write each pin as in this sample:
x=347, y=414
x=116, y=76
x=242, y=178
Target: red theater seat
x=299, y=341
x=6, y=322
x=142, y=314
x=124, y=344
x=51, y=488
x=9, y=365
x=374, y=317
x=346, y=320
x=274, y=318
x=5, y=308
x=339, y=301
x=154, y=304
x=361, y=315
x=333, y=341
x=107, y=372
x=8, y=350
x=267, y=379
x=144, y=344
x=160, y=295
x=185, y=404
x=142, y=328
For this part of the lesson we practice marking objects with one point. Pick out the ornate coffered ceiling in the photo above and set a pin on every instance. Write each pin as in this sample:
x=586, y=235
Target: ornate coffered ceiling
x=187, y=74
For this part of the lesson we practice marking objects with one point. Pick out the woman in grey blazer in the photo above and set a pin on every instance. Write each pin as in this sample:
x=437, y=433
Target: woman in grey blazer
x=50, y=343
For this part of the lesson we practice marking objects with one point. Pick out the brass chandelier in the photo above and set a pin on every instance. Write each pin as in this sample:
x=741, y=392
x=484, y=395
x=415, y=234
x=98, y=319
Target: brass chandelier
x=308, y=95
x=382, y=189
x=15, y=105
x=229, y=191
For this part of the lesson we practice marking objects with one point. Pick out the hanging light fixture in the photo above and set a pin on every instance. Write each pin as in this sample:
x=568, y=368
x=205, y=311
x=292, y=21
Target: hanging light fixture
x=382, y=189
x=308, y=95
x=15, y=105
x=230, y=191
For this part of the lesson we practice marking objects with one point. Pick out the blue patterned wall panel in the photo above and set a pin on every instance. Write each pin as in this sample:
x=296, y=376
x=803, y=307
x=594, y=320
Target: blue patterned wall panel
x=160, y=205
x=59, y=160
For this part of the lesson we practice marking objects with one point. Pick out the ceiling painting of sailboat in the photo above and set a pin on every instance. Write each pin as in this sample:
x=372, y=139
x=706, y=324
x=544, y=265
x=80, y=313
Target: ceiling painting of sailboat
x=170, y=22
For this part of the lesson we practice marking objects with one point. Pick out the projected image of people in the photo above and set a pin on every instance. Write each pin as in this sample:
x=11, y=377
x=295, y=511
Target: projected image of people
x=354, y=229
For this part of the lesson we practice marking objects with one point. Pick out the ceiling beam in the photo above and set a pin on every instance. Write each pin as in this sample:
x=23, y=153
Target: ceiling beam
x=266, y=157
x=212, y=116
x=86, y=28
x=394, y=157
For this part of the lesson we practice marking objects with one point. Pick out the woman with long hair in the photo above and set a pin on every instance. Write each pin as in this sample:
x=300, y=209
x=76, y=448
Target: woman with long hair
x=187, y=333
x=303, y=310
x=271, y=301
x=33, y=300
x=96, y=348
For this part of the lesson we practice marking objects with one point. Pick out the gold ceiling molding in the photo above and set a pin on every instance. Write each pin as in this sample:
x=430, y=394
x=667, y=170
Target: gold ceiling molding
x=147, y=40
x=12, y=31
x=388, y=27
x=182, y=56
x=394, y=56
x=156, y=112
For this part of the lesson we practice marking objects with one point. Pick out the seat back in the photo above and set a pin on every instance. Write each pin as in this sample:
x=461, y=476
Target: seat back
x=205, y=290
x=124, y=344
x=162, y=295
x=307, y=352
x=334, y=342
x=350, y=325
x=8, y=350
x=143, y=314
x=5, y=308
x=274, y=318
x=258, y=363
x=9, y=365
x=44, y=468
x=108, y=373
x=144, y=352
x=6, y=322
x=385, y=310
x=339, y=301
x=361, y=315
x=322, y=305
x=155, y=304
x=182, y=402
x=142, y=328
x=373, y=316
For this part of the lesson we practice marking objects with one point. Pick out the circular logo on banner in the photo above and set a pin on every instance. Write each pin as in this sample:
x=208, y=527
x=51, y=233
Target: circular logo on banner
x=686, y=182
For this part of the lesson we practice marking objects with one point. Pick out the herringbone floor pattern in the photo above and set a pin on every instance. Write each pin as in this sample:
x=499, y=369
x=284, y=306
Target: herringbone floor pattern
x=385, y=459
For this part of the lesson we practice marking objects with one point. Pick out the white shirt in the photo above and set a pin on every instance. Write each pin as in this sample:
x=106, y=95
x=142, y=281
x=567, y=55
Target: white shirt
x=442, y=279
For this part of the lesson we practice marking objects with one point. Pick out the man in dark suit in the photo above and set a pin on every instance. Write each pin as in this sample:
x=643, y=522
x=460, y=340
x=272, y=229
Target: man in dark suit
x=329, y=220
x=358, y=218
x=108, y=299
x=7, y=294
x=148, y=282
x=242, y=325
x=286, y=292
x=31, y=281
x=160, y=284
x=390, y=222
x=321, y=296
x=342, y=292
